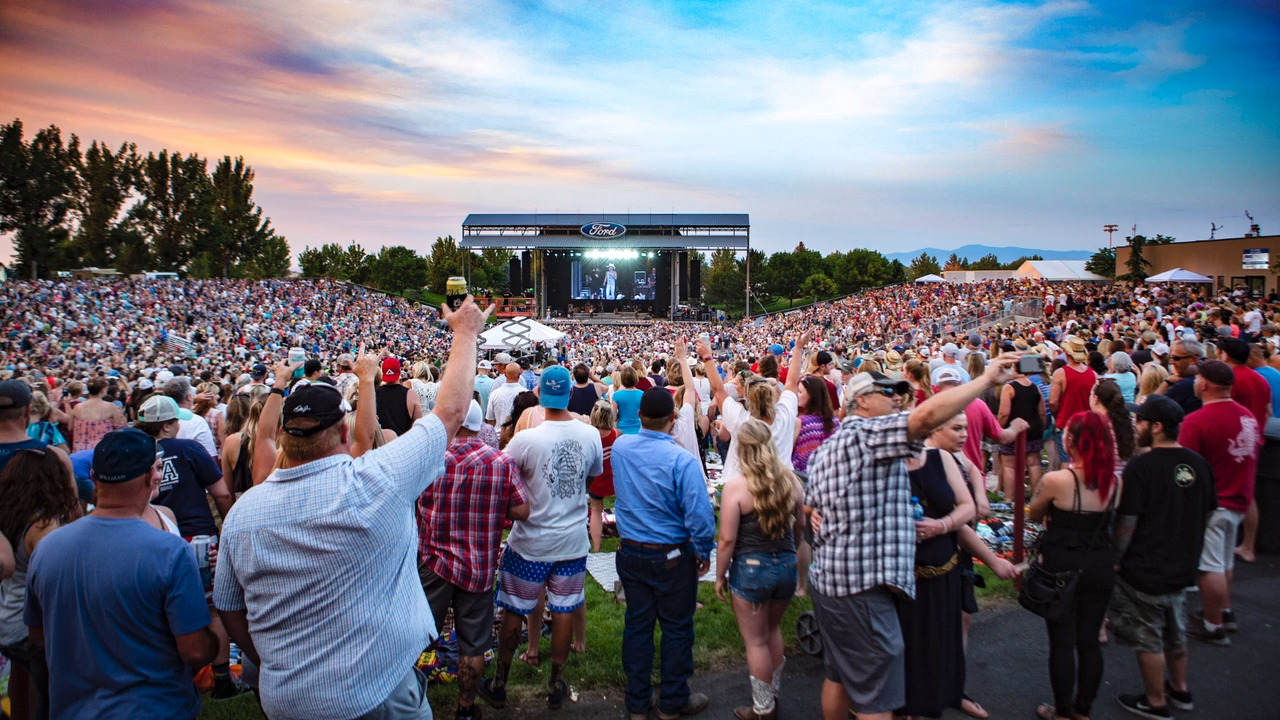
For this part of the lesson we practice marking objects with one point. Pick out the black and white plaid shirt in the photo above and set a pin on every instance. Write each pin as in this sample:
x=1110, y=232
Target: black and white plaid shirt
x=858, y=481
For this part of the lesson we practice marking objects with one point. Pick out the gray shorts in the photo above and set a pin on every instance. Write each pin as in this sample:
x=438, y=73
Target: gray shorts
x=472, y=612
x=1219, y=553
x=1148, y=623
x=862, y=648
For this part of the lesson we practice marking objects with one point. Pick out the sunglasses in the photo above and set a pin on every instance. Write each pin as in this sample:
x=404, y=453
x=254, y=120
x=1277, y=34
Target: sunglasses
x=1181, y=357
x=887, y=392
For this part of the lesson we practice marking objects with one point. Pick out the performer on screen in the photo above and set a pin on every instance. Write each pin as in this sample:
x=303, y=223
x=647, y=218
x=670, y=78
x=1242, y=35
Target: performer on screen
x=611, y=283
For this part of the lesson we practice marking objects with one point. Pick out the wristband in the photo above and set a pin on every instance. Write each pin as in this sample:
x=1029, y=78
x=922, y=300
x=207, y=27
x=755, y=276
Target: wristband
x=277, y=391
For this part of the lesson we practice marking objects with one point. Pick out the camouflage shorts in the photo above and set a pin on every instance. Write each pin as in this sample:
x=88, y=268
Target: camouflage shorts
x=1148, y=623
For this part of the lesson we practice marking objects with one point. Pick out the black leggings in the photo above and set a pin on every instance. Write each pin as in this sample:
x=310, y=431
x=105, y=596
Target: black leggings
x=1075, y=655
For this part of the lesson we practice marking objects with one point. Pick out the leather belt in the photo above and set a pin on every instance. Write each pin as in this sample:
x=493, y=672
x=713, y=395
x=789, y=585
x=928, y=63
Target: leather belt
x=653, y=546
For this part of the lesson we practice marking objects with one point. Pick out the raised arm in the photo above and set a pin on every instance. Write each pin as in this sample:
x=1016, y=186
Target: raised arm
x=366, y=430
x=454, y=399
x=797, y=362
x=718, y=392
x=264, y=445
x=946, y=405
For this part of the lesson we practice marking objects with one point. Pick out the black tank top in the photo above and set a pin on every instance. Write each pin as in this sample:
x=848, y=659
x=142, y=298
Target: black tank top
x=582, y=399
x=1025, y=403
x=393, y=408
x=751, y=538
x=242, y=473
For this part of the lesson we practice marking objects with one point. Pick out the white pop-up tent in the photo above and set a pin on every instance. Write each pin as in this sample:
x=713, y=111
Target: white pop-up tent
x=1179, y=275
x=930, y=278
x=519, y=333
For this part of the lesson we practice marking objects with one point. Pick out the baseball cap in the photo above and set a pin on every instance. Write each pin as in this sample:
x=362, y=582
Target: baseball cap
x=145, y=384
x=1237, y=350
x=946, y=374
x=975, y=339
x=657, y=403
x=863, y=383
x=122, y=455
x=162, y=408
x=485, y=365
x=475, y=417
x=312, y=365
x=1158, y=408
x=315, y=401
x=258, y=372
x=390, y=370
x=950, y=350
x=1160, y=348
x=824, y=357
x=502, y=358
x=1217, y=372
x=163, y=377
x=14, y=394
x=553, y=388
x=776, y=349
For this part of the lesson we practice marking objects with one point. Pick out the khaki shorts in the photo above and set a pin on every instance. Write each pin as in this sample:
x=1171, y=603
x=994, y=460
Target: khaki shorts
x=1148, y=623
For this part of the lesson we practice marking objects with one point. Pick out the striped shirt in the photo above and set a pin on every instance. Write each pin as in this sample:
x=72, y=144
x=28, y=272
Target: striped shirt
x=324, y=557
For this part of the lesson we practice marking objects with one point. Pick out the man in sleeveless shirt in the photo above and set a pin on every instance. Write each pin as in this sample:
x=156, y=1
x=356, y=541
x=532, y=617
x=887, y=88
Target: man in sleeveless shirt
x=398, y=408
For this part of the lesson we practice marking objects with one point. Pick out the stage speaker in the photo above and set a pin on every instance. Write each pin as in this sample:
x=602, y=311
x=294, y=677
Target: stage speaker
x=513, y=274
x=662, y=298
x=526, y=271
x=683, y=260
x=695, y=277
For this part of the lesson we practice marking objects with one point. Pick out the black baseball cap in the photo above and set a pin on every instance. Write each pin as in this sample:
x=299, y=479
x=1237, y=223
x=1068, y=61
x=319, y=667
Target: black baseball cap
x=1158, y=408
x=657, y=403
x=1217, y=372
x=824, y=357
x=14, y=394
x=1237, y=350
x=258, y=371
x=122, y=455
x=315, y=401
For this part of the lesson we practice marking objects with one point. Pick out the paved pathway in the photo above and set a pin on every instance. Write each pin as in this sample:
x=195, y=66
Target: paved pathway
x=1008, y=669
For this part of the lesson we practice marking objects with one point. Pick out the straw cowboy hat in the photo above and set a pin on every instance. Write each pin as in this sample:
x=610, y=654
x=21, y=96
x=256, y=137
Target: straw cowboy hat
x=894, y=359
x=1074, y=347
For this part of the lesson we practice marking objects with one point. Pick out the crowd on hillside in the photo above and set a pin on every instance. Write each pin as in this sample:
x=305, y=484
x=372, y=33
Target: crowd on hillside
x=321, y=474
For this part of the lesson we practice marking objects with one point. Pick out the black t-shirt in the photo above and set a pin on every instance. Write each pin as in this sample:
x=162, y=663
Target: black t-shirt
x=1171, y=491
x=187, y=471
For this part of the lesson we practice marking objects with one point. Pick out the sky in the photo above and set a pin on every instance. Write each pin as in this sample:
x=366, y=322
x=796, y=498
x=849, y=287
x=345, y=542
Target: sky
x=885, y=125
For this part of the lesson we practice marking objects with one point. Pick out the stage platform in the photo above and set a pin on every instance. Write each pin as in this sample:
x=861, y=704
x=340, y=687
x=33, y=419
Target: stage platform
x=637, y=319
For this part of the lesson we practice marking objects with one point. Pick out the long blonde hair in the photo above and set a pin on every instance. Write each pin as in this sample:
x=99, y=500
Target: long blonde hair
x=761, y=399
x=770, y=482
x=1153, y=376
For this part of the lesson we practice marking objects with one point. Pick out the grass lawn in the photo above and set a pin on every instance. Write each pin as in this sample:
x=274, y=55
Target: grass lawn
x=717, y=646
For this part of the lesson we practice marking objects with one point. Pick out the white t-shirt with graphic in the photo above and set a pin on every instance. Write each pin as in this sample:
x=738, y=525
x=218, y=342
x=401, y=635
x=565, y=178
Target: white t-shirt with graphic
x=556, y=459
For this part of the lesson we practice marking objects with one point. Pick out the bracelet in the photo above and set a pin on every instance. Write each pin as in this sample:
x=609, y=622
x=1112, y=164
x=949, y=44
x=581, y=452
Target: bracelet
x=945, y=525
x=277, y=391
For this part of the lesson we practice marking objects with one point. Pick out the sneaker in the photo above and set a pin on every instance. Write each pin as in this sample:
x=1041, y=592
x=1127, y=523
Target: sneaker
x=495, y=696
x=1229, y=621
x=1178, y=698
x=1137, y=704
x=234, y=688
x=697, y=703
x=557, y=693
x=1197, y=630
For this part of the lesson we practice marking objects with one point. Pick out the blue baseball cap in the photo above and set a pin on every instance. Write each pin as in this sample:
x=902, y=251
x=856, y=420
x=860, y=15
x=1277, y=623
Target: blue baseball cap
x=553, y=388
x=776, y=349
x=123, y=455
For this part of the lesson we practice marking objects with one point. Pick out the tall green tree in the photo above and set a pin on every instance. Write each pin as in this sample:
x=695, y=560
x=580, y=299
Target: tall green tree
x=956, y=263
x=324, y=261
x=37, y=186
x=818, y=286
x=270, y=261
x=723, y=279
x=897, y=273
x=446, y=260
x=399, y=269
x=1137, y=264
x=923, y=264
x=236, y=232
x=175, y=207
x=106, y=182
x=1102, y=263
x=783, y=276
x=986, y=262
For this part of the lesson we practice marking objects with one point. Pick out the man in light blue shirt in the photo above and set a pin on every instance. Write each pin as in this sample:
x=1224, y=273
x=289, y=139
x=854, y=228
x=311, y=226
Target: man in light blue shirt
x=667, y=530
x=484, y=383
x=317, y=577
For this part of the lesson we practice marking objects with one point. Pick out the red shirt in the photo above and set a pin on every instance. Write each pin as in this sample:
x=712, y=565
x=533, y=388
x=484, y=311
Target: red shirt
x=602, y=485
x=461, y=515
x=982, y=424
x=1252, y=391
x=1075, y=395
x=1227, y=435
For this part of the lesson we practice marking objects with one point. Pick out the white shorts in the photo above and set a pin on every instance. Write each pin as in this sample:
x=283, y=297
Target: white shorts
x=1219, y=554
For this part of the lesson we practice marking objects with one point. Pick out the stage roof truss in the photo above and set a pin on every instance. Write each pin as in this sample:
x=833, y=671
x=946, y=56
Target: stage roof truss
x=560, y=231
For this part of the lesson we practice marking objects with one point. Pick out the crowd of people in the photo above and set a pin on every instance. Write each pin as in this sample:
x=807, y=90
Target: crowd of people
x=329, y=473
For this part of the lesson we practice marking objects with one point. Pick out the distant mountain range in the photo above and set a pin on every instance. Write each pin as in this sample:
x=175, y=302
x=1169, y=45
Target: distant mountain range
x=1005, y=254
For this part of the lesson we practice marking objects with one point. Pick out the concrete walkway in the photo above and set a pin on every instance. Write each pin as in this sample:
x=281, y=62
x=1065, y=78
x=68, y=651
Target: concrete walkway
x=1008, y=669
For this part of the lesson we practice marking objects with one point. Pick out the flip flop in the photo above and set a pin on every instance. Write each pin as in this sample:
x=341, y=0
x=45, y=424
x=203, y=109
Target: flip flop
x=529, y=660
x=1046, y=712
x=979, y=711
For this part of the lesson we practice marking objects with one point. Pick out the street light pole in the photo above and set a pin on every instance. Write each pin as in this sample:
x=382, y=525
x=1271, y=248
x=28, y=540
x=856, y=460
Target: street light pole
x=1108, y=229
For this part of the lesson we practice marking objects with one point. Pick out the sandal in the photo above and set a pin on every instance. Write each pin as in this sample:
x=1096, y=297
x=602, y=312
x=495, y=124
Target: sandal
x=530, y=657
x=1046, y=712
x=972, y=708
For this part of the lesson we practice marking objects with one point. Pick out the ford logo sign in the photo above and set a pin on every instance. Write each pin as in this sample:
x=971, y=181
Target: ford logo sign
x=603, y=230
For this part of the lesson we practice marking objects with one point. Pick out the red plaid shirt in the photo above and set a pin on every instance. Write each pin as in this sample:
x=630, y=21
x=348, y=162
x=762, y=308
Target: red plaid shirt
x=460, y=516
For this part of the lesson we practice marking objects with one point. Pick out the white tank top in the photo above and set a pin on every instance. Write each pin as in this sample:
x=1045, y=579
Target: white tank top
x=169, y=525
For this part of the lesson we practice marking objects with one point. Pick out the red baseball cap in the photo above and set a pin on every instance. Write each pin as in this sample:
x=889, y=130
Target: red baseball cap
x=390, y=370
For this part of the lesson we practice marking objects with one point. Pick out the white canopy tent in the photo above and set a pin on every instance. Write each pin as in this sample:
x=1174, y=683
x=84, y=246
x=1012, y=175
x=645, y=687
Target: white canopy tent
x=1179, y=275
x=517, y=334
x=930, y=278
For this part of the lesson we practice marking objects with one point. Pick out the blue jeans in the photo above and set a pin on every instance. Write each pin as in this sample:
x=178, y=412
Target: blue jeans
x=763, y=577
x=665, y=590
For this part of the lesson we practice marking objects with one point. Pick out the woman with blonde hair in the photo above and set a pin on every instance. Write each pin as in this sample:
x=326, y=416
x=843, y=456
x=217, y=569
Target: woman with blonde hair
x=916, y=372
x=208, y=396
x=1153, y=377
x=760, y=515
x=423, y=382
x=601, y=487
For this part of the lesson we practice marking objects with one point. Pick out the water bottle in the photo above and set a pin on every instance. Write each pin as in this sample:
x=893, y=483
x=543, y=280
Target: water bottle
x=917, y=510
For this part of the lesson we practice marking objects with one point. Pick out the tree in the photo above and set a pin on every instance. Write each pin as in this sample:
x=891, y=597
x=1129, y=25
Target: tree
x=271, y=260
x=175, y=207
x=105, y=182
x=924, y=264
x=236, y=232
x=956, y=263
x=986, y=262
x=1137, y=264
x=490, y=268
x=817, y=286
x=399, y=269
x=324, y=261
x=1015, y=264
x=446, y=261
x=783, y=276
x=1102, y=263
x=36, y=186
x=724, y=280
x=897, y=273
x=354, y=264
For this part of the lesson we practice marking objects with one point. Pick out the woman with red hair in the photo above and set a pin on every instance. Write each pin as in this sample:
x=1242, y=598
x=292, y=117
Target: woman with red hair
x=1077, y=505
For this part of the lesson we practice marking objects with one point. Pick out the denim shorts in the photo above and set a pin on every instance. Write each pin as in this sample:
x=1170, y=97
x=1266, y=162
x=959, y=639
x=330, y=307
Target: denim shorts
x=763, y=577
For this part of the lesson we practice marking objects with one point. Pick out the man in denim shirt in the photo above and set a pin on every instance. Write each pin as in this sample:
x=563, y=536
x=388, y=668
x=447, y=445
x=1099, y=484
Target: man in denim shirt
x=667, y=528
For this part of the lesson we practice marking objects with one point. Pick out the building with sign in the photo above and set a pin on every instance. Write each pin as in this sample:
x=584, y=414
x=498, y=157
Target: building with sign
x=1245, y=262
x=611, y=263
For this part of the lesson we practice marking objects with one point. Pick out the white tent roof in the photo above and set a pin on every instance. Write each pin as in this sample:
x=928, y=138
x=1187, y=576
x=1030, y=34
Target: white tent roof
x=1058, y=270
x=930, y=278
x=1179, y=275
x=519, y=333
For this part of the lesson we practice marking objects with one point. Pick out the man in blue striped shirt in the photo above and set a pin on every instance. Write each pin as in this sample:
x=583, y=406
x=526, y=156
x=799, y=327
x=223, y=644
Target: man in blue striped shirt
x=317, y=576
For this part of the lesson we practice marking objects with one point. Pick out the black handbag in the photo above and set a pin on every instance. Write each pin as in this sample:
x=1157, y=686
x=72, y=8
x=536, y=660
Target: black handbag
x=1049, y=594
